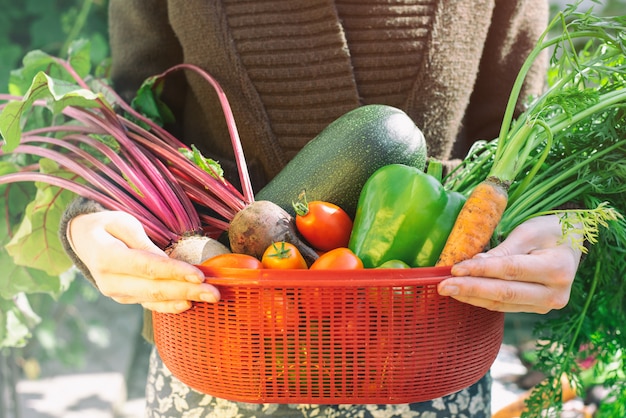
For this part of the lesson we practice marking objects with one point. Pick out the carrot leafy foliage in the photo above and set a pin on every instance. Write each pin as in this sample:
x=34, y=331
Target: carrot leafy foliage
x=566, y=154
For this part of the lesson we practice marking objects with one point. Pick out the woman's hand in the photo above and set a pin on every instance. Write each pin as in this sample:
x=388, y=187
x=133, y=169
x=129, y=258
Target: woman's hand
x=530, y=271
x=129, y=268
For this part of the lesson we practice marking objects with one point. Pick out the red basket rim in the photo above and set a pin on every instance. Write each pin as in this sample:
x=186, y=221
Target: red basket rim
x=325, y=278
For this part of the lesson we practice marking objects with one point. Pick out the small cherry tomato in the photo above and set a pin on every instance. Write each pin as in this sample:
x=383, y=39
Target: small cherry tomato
x=324, y=225
x=340, y=258
x=283, y=255
x=233, y=260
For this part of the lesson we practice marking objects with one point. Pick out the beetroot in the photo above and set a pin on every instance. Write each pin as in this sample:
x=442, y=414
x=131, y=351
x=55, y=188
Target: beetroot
x=125, y=161
x=262, y=223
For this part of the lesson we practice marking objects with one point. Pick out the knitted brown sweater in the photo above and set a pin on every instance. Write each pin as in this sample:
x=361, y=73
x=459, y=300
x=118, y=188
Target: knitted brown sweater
x=290, y=67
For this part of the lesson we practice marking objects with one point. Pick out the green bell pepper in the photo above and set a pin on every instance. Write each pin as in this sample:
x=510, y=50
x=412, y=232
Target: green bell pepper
x=403, y=214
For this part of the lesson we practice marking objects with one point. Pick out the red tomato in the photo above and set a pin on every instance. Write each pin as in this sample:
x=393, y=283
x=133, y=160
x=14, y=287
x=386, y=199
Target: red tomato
x=233, y=260
x=283, y=255
x=340, y=258
x=324, y=225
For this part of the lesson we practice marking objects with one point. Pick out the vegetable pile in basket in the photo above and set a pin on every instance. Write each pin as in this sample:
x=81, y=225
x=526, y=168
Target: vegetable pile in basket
x=567, y=148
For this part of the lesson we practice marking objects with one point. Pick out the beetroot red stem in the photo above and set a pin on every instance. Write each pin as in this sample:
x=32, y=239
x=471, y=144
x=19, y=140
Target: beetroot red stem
x=244, y=176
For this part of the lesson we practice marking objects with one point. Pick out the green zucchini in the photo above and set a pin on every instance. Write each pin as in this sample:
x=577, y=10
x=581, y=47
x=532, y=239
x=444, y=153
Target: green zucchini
x=335, y=165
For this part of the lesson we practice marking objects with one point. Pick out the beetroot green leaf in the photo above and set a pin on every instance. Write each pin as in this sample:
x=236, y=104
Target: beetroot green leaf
x=58, y=93
x=15, y=279
x=35, y=243
x=13, y=199
x=35, y=61
x=148, y=102
x=16, y=320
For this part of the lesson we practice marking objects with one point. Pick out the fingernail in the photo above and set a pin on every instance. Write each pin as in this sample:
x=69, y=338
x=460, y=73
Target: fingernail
x=460, y=270
x=449, y=290
x=208, y=297
x=182, y=306
x=482, y=255
x=194, y=278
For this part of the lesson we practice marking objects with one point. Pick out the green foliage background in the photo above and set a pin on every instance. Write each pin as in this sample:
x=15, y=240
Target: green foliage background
x=49, y=25
x=28, y=320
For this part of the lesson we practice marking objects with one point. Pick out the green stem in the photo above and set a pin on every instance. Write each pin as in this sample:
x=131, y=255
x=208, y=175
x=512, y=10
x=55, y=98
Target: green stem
x=517, y=139
x=505, y=164
x=583, y=313
x=78, y=26
x=549, y=181
x=435, y=169
x=605, y=101
x=537, y=165
x=530, y=60
x=515, y=215
x=506, y=168
x=546, y=193
x=464, y=177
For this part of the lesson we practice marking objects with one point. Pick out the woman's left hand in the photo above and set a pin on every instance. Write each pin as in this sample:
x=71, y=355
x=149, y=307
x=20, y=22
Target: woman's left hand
x=530, y=271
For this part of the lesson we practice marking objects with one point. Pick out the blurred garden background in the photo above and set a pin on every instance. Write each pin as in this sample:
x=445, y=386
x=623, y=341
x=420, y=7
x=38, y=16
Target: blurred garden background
x=49, y=25
x=58, y=329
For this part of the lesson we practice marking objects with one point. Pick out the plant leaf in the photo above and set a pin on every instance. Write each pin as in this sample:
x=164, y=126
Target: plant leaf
x=16, y=279
x=79, y=54
x=209, y=165
x=148, y=102
x=59, y=93
x=37, y=61
x=36, y=243
x=21, y=79
x=15, y=197
x=16, y=321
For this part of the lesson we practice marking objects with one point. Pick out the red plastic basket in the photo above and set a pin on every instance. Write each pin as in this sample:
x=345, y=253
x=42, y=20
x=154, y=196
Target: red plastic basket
x=329, y=337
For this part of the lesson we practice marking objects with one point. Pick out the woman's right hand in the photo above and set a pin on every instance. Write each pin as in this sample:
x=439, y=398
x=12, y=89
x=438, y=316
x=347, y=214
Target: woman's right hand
x=129, y=268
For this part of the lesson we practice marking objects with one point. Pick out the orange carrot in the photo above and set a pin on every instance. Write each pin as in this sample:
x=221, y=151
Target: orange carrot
x=476, y=222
